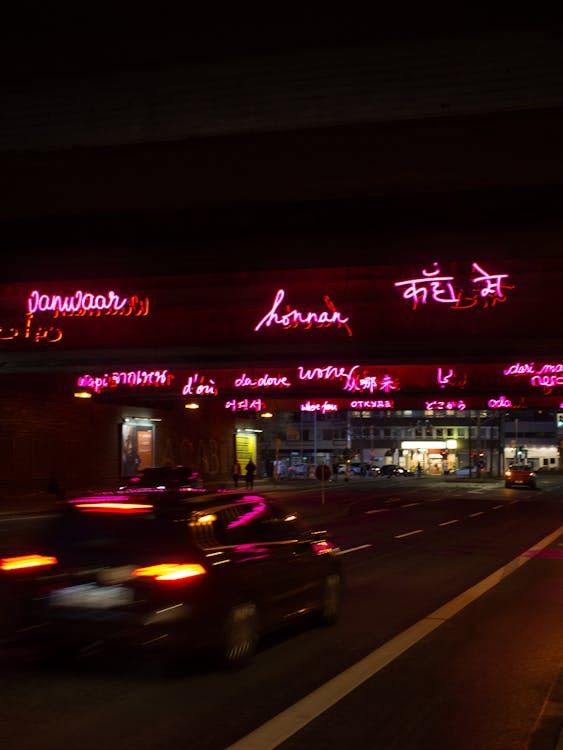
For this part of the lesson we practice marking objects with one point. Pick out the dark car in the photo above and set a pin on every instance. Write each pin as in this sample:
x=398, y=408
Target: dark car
x=163, y=478
x=392, y=470
x=521, y=475
x=174, y=571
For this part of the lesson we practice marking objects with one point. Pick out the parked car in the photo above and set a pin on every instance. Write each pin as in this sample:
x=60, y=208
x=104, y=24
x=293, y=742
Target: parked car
x=392, y=470
x=163, y=478
x=520, y=474
x=175, y=572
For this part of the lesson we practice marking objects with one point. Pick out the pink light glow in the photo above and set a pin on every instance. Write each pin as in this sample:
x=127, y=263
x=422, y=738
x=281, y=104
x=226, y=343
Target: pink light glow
x=324, y=408
x=248, y=517
x=499, y=403
x=196, y=385
x=246, y=405
x=87, y=303
x=383, y=404
x=449, y=405
x=132, y=378
x=265, y=381
x=294, y=318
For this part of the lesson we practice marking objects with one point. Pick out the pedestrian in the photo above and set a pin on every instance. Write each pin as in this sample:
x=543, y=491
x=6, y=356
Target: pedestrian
x=250, y=469
x=418, y=470
x=335, y=471
x=236, y=472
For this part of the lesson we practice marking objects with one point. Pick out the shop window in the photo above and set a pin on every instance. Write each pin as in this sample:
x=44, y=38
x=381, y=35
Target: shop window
x=439, y=432
x=450, y=432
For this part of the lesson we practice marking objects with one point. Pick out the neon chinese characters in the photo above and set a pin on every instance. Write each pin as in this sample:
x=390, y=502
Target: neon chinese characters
x=295, y=318
x=486, y=288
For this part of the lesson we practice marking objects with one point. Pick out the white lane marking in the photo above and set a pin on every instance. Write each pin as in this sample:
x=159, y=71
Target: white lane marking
x=437, y=500
x=273, y=733
x=479, y=513
x=409, y=533
x=496, y=507
x=378, y=510
x=448, y=523
x=353, y=549
x=409, y=505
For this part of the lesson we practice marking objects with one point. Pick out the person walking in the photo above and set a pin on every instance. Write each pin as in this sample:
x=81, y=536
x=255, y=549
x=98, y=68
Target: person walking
x=250, y=469
x=236, y=472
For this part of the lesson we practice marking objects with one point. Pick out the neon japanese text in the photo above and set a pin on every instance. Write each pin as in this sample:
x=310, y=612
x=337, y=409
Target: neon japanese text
x=449, y=405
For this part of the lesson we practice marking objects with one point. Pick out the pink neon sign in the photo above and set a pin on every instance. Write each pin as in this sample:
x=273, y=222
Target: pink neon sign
x=87, y=303
x=499, y=403
x=546, y=376
x=131, y=378
x=354, y=379
x=324, y=407
x=447, y=378
x=265, y=381
x=295, y=318
x=449, y=405
x=198, y=385
x=486, y=288
x=246, y=405
x=381, y=404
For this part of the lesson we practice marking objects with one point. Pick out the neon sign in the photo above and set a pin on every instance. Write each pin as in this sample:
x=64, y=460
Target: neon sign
x=325, y=373
x=546, y=376
x=295, y=318
x=38, y=335
x=365, y=382
x=486, y=288
x=265, y=381
x=131, y=378
x=87, y=303
x=324, y=408
x=246, y=405
x=449, y=405
x=500, y=403
x=450, y=379
x=383, y=404
x=196, y=386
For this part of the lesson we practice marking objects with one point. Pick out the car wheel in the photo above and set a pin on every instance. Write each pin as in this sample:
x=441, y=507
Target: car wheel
x=240, y=635
x=331, y=599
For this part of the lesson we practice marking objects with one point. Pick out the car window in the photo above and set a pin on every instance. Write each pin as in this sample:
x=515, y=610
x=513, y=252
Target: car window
x=255, y=522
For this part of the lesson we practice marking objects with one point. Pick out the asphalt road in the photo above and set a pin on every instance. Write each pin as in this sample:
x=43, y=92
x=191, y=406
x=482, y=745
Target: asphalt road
x=410, y=664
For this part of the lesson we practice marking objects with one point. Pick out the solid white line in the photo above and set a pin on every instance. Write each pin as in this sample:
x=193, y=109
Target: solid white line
x=409, y=505
x=353, y=549
x=409, y=533
x=379, y=510
x=447, y=523
x=276, y=731
x=479, y=513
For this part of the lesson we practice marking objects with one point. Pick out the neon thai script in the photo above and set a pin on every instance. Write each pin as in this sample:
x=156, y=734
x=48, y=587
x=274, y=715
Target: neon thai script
x=449, y=405
x=131, y=378
x=265, y=381
x=196, y=385
x=87, y=303
x=499, y=403
x=28, y=332
x=384, y=404
x=487, y=289
x=324, y=408
x=246, y=405
x=295, y=318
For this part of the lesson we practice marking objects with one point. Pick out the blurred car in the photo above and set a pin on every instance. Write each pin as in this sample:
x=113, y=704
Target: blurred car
x=466, y=471
x=520, y=474
x=392, y=470
x=176, y=572
x=163, y=478
x=355, y=468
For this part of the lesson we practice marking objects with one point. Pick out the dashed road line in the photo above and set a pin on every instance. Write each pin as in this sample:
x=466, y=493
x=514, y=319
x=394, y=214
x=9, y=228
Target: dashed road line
x=496, y=507
x=448, y=523
x=353, y=549
x=479, y=513
x=410, y=505
x=409, y=533
x=377, y=510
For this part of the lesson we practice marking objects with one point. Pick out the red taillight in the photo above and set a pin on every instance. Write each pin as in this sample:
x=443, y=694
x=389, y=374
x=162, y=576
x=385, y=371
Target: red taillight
x=170, y=571
x=114, y=507
x=26, y=561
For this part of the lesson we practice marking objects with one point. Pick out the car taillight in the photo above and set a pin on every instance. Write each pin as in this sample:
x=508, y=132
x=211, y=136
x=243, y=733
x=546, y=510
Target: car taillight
x=170, y=571
x=114, y=507
x=21, y=562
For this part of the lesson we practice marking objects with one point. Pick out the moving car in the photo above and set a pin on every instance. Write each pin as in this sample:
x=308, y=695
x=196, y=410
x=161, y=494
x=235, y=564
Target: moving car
x=174, y=571
x=392, y=470
x=163, y=477
x=520, y=474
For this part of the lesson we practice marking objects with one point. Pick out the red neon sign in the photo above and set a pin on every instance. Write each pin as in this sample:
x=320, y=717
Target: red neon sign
x=196, y=385
x=39, y=335
x=131, y=378
x=87, y=303
x=295, y=318
x=265, y=381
